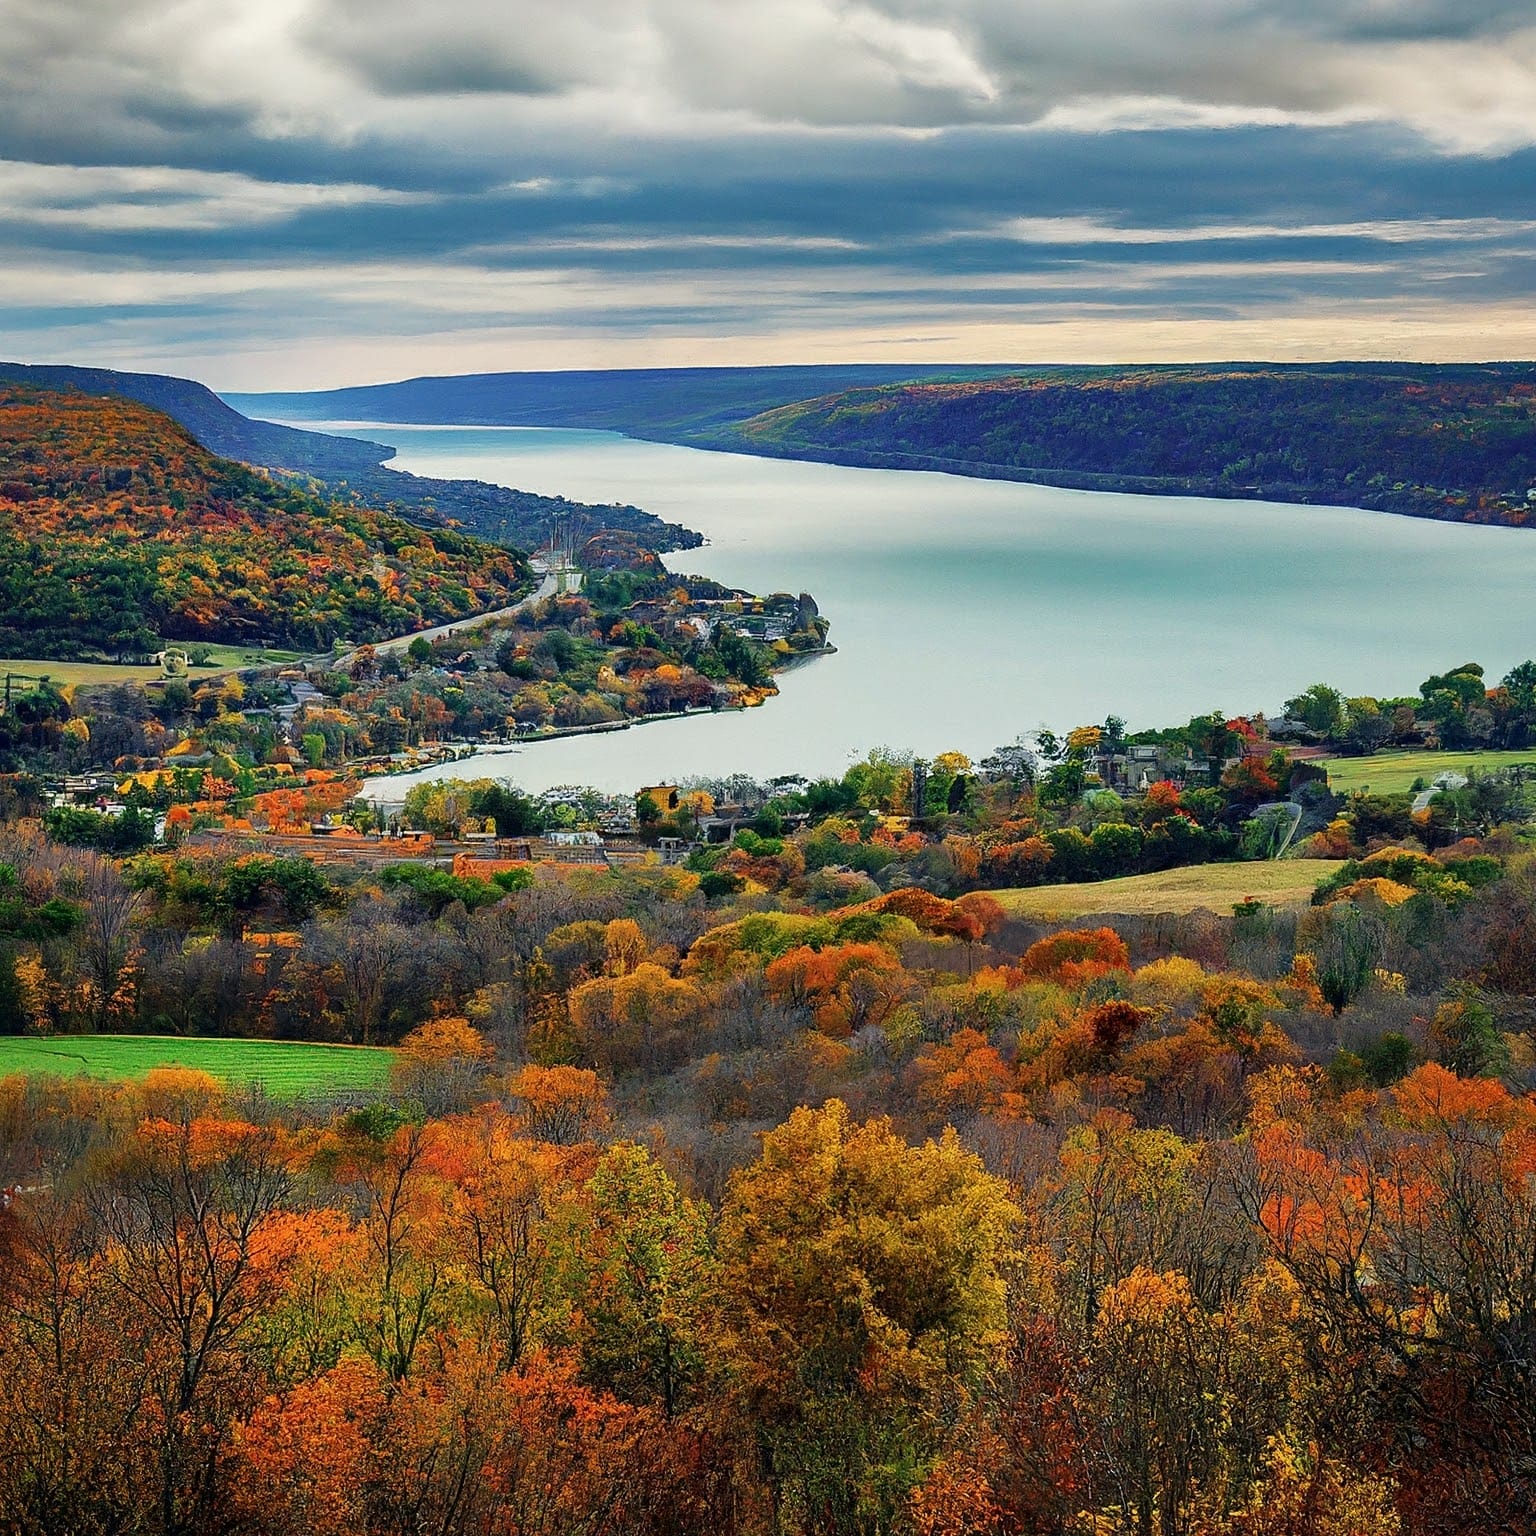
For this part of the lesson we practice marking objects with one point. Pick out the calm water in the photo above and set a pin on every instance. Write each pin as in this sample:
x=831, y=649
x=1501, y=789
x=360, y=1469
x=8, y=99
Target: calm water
x=968, y=611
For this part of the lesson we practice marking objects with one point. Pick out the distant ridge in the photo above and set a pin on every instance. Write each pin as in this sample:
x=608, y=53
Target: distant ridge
x=218, y=427
x=674, y=404
x=1454, y=441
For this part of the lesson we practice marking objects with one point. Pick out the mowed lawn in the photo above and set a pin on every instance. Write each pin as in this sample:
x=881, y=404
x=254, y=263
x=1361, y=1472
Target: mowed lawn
x=1393, y=773
x=75, y=674
x=286, y=1069
x=1215, y=887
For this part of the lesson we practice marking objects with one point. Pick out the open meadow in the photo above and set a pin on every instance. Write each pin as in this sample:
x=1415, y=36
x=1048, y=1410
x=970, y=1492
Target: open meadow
x=1394, y=773
x=286, y=1069
x=1213, y=887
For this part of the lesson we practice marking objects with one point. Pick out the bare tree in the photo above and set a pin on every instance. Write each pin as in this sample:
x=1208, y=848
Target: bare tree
x=107, y=934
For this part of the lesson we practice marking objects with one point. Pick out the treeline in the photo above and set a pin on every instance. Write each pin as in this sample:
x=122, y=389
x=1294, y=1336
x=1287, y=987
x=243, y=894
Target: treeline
x=1455, y=709
x=1454, y=442
x=118, y=531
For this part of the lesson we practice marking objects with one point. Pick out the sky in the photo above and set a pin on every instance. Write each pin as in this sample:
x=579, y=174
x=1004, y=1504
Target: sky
x=295, y=194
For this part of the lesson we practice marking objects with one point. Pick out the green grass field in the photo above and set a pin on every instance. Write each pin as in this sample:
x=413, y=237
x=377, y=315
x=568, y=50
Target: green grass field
x=1215, y=887
x=1393, y=773
x=70, y=674
x=286, y=1069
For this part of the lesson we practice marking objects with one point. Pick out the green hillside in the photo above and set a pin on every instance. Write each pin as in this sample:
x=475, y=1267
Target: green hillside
x=284, y=1068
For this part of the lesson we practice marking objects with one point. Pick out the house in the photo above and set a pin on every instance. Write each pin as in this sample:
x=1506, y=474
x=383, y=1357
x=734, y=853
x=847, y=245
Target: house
x=663, y=796
x=1132, y=770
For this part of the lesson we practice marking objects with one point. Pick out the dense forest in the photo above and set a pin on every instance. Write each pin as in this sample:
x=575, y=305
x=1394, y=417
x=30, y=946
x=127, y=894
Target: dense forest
x=796, y=1214
x=118, y=530
x=1454, y=442
x=355, y=469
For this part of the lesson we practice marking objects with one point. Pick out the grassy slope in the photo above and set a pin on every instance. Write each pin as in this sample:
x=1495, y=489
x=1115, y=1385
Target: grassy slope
x=1393, y=773
x=1214, y=887
x=286, y=1069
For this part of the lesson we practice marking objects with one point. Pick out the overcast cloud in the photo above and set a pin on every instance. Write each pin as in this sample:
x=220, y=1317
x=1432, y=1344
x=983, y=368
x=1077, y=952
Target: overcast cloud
x=293, y=192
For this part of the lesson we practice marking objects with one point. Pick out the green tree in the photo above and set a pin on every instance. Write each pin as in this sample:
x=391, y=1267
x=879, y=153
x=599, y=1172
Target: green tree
x=1320, y=708
x=515, y=814
x=1467, y=1036
x=632, y=1274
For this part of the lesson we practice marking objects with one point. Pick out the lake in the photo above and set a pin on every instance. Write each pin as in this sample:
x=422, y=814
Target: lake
x=966, y=612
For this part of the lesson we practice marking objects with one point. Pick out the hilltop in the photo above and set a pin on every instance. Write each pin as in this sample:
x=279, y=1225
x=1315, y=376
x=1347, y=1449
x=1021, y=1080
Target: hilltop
x=117, y=529
x=1454, y=441
x=353, y=468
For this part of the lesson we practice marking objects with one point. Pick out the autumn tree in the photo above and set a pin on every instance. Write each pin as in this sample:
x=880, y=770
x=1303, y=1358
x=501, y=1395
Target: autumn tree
x=396, y=1292
x=192, y=1255
x=862, y=1299
x=844, y=987
x=494, y=1214
x=441, y=1063
x=561, y=1105
x=641, y=1020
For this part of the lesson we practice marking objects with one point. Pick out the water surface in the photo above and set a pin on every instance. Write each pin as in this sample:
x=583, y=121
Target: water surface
x=968, y=611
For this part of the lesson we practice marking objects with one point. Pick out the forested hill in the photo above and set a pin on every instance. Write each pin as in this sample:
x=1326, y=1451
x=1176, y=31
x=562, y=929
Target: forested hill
x=118, y=527
x=1455, y=442
x=354, y=468
x=1434, y=440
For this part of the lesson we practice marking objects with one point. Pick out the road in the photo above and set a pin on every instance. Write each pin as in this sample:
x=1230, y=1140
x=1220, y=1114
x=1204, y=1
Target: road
x=547, y=587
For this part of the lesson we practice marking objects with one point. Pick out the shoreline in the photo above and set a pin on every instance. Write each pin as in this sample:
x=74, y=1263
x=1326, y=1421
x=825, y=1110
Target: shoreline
x=1092, y=482
x=727, y=440
x=560, y=732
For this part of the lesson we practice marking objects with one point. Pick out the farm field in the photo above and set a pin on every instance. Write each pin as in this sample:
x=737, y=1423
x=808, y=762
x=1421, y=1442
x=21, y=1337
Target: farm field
x=1215, y=887
x=287, y=1069
x=1393, y=773
x=74, y=674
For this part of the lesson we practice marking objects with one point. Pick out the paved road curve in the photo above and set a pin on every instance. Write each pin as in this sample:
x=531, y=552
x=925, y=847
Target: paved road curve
x=547, y=587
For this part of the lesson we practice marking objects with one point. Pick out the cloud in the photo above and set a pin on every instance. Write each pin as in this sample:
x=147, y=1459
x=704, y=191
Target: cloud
x=1084, y=231
x=199, y=176
x=130, y=198
x=400, y=48
x=345, y=71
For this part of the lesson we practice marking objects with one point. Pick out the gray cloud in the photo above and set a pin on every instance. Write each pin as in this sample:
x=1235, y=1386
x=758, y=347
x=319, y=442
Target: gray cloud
x=340, y=70
x=219, y=180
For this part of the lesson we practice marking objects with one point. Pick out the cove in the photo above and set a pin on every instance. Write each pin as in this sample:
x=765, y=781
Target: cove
x=968, y=611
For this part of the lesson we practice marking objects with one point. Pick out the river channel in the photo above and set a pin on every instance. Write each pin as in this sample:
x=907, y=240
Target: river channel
x=966, y=612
